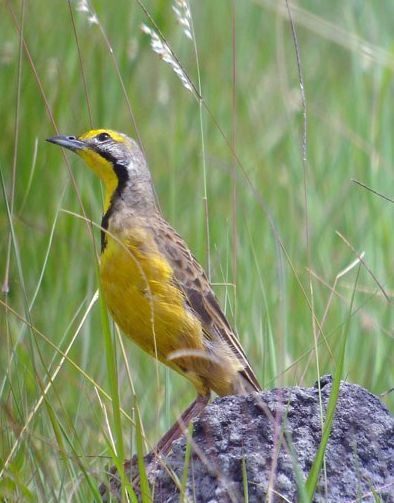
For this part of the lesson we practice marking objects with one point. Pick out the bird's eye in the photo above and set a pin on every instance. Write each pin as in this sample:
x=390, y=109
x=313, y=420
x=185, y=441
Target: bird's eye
x=103, y=137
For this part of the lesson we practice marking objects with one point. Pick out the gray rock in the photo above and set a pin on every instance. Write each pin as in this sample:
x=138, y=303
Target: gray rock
x=262, y=441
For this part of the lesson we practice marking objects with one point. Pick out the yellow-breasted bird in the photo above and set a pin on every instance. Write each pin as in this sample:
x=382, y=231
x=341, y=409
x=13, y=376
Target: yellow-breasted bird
x=154, y=288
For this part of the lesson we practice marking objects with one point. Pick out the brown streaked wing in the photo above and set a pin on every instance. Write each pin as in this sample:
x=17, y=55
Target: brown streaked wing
x=193, y=281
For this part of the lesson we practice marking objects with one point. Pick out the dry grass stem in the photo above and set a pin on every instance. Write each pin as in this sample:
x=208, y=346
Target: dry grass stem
x=183, y=15
x=161, y=48
x=85, y=7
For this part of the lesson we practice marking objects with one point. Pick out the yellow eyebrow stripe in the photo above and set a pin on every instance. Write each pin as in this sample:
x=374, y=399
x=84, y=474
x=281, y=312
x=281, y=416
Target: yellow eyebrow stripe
x=94, y=132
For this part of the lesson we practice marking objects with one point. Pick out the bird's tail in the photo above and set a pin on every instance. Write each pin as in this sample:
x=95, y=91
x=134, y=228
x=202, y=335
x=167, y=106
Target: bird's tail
x=246, y=382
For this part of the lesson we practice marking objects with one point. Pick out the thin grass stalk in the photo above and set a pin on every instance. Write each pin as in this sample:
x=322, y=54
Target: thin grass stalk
x=91, y=483
x=203, y=157
x=186, y=465
x=245, y=480
x=314, y=473
x=234, y=194
x=46, y=388
x=110, y=354
x=146, y=494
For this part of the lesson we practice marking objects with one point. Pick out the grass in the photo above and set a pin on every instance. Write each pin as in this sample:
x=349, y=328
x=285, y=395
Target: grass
x=55, y=439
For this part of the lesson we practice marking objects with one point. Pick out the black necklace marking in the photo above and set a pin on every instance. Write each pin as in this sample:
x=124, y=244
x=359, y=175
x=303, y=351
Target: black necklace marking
x=104, y=228
x=123, y=177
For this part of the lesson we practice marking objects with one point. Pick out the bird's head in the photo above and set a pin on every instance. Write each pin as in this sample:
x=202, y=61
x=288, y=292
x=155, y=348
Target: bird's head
x=114, y=157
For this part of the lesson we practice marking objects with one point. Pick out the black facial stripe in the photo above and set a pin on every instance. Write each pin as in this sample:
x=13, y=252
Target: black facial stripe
x=107, y=155
x=123, y=176
x=120, y=170
x=104, y=228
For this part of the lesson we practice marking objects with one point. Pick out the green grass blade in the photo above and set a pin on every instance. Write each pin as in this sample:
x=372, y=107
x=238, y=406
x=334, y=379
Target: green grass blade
x=314, y=473
x=146, y=494
x=90, y=481
x=245, y=481
x=186, y=464
x=110, y=354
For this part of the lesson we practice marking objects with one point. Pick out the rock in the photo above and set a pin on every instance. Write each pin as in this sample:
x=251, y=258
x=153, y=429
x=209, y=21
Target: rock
x=263, y=441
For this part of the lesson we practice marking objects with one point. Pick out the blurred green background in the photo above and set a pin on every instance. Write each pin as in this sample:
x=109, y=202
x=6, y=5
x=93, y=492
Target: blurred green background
x=54, y=62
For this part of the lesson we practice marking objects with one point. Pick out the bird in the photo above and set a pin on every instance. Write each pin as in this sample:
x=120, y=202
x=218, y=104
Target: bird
x=154, y=288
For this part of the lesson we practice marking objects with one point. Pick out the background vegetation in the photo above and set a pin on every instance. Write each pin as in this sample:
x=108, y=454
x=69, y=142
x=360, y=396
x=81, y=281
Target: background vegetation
x=273, y=249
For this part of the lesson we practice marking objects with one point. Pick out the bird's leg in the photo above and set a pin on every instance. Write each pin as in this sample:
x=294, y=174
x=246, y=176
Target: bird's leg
x=178, y=428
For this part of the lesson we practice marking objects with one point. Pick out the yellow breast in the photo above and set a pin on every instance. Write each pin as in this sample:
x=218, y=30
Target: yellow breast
x=139, y=291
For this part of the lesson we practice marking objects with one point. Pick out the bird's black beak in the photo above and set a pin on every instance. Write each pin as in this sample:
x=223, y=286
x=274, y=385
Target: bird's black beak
x=70, y=142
